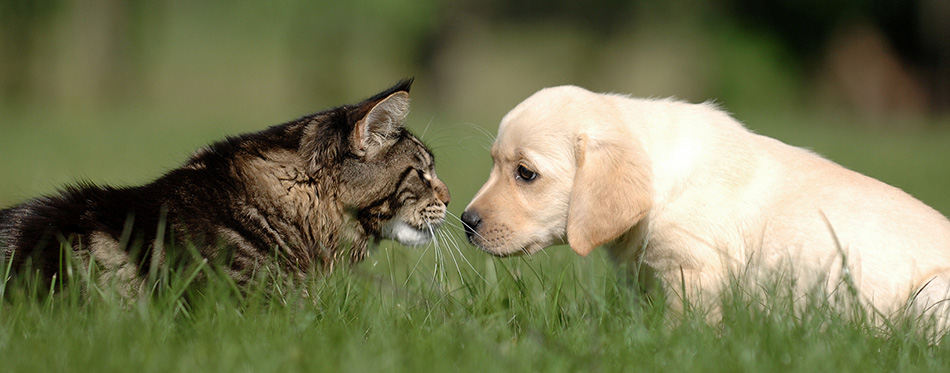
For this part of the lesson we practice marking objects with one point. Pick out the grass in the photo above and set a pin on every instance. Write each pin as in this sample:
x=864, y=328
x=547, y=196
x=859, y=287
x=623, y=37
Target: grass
x=544, y=314
x=441, y=308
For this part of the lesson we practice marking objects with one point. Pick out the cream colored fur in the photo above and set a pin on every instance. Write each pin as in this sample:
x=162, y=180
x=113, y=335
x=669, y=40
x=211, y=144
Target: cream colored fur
x=688, y=193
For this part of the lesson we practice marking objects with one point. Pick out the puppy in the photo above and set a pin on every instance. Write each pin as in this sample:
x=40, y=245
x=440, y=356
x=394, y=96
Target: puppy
x=684, y=194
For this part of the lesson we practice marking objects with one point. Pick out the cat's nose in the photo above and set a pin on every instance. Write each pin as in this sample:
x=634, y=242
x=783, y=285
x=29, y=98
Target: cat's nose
x=442, y=192
x=471, y=220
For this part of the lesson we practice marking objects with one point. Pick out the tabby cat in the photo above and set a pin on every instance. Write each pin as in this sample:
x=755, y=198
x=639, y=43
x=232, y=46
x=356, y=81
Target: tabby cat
x=296, y=197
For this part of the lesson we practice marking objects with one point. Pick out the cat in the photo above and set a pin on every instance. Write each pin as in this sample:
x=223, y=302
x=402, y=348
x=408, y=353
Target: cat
x=297, y=197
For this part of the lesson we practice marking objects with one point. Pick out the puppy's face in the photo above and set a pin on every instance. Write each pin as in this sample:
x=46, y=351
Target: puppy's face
x=523, y=206
x=566, y=170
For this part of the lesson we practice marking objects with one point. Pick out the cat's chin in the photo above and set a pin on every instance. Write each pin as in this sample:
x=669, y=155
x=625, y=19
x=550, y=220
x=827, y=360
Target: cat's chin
x=406, y=234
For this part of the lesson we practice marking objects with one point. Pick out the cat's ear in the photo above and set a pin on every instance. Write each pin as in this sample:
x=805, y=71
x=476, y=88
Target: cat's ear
x=378, y=128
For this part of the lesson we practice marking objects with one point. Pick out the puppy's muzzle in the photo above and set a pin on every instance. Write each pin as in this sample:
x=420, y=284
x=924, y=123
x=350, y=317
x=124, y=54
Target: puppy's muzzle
x=471, y=220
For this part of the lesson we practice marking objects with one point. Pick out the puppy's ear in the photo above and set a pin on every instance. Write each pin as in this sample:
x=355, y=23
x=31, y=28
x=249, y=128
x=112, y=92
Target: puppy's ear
x=377, y=129
x=612, y=191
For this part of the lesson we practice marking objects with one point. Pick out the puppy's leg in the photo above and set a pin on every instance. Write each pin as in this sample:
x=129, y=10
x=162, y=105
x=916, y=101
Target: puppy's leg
x=932, y=300
x=690, y=292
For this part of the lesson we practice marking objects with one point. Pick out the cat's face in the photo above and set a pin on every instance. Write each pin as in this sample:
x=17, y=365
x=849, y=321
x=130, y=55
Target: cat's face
x=387, y=176
x=420, y=198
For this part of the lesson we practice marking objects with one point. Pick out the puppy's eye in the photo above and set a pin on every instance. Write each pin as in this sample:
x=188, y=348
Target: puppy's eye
x=525, y=174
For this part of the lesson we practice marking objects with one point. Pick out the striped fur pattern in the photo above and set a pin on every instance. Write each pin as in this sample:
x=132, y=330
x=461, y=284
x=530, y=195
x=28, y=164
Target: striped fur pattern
x=296, y=197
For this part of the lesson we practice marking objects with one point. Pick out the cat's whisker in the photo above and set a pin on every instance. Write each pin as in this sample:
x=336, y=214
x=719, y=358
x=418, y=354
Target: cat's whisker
x=459, y=250
x=484, y=132
x=457, y=246
x=439, y=248
x=458, y=269
x=435, y=268
x=453, y=225
x=466, y=141
x=480, y=138
x=454, y=260
x=449, y=242
x=413, y=270
x=424, y=130
x=439, y=270
x=450, y=223
x=438, y=139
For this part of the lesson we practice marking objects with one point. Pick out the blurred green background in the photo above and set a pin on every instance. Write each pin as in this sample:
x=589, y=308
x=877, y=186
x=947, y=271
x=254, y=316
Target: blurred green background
x=119, y=91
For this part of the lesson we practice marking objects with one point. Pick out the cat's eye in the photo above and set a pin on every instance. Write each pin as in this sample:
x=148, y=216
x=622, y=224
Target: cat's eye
x=525, y=173
x=422, y=175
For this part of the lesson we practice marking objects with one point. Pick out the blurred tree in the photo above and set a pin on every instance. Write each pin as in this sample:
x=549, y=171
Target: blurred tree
x=600, y=16
x=812, y=29
x=21, y=23
x=106, y=66
x=344, y=49
x=935, y=27
x=100, y=51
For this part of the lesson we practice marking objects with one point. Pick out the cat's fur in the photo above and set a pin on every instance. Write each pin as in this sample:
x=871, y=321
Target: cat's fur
x=297, y=197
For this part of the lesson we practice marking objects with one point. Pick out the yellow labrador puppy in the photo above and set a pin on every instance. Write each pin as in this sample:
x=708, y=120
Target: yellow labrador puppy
x=685, y=193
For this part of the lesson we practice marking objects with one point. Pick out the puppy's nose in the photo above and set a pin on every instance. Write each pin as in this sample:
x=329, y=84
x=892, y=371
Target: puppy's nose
x=471, y=220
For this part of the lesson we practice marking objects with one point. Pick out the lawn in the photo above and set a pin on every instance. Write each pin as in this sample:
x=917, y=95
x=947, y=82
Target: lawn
x=437, y=308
